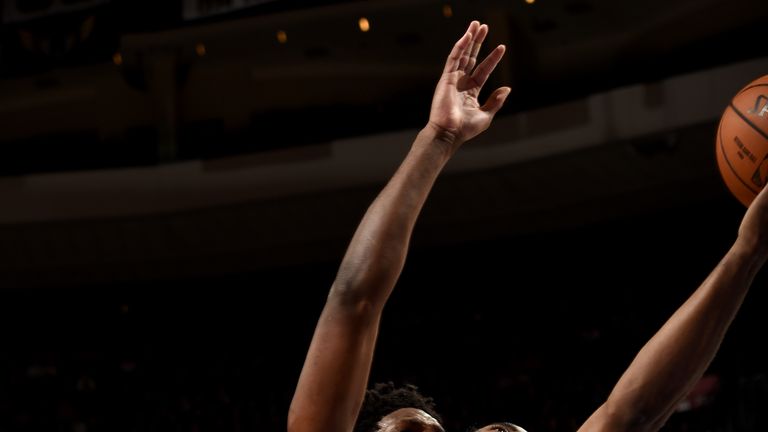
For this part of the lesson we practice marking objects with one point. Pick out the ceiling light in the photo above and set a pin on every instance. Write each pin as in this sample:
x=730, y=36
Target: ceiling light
x=364, y=24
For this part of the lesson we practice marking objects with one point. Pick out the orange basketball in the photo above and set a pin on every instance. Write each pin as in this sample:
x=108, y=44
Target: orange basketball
x=742, y=141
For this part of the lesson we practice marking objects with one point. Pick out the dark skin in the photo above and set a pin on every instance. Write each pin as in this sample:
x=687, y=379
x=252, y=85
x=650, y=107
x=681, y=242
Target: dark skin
x=333, y=381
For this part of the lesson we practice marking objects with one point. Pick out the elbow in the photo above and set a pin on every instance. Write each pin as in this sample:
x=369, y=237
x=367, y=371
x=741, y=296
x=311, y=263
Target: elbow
x=369, y=288
x=354, y=301
x=628, y=421
x=619, y=416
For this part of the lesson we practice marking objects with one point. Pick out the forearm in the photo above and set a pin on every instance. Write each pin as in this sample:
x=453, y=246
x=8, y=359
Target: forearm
x=376, y=254
x=676, y=357
x=332, y=384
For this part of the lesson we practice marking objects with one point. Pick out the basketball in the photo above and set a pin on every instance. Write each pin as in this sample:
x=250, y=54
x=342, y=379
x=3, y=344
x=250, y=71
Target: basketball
x=742, y=141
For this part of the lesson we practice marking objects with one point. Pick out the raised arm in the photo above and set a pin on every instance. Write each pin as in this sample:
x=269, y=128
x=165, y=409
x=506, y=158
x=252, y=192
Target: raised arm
x=669, y=365
x=332, y=384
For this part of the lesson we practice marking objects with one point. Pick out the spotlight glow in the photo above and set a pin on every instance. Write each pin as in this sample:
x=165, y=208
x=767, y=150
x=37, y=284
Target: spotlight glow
x=364, y=24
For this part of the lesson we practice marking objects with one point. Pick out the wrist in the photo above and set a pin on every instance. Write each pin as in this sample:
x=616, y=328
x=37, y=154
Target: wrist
x=750, y=252
x=442, y=138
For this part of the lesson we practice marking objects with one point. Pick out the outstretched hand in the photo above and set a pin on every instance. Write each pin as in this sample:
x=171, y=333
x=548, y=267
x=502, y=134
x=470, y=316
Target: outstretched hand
x=456, y=111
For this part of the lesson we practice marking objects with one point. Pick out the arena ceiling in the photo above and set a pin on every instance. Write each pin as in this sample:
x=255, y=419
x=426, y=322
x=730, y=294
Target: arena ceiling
x=80, y=83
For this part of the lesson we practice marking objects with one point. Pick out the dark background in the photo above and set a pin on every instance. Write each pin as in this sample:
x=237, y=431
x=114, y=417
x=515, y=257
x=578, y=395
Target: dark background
x=522, y=300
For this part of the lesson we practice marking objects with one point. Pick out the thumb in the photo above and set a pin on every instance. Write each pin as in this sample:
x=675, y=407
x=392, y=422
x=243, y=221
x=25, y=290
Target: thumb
x=496, y=100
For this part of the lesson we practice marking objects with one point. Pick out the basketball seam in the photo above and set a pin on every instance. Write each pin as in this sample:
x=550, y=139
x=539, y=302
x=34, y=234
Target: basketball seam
x=751, y=87
x=749, y=122
x=725, y=155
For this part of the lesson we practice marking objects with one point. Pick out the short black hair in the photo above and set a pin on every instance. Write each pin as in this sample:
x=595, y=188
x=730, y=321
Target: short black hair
x=385, y=398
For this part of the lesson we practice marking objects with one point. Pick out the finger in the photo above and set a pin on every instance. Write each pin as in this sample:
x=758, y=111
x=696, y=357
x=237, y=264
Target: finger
x=477, y=42
x=496, y=100
x=484, y=69
x=454, y=58
x=474, y=27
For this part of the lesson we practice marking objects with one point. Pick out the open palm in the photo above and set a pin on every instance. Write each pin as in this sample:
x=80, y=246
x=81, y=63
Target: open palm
x=455, y=106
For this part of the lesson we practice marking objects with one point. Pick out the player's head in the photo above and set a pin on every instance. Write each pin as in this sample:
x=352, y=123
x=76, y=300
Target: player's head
x=387, y=408
x=390, y=408
x=498, y=427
